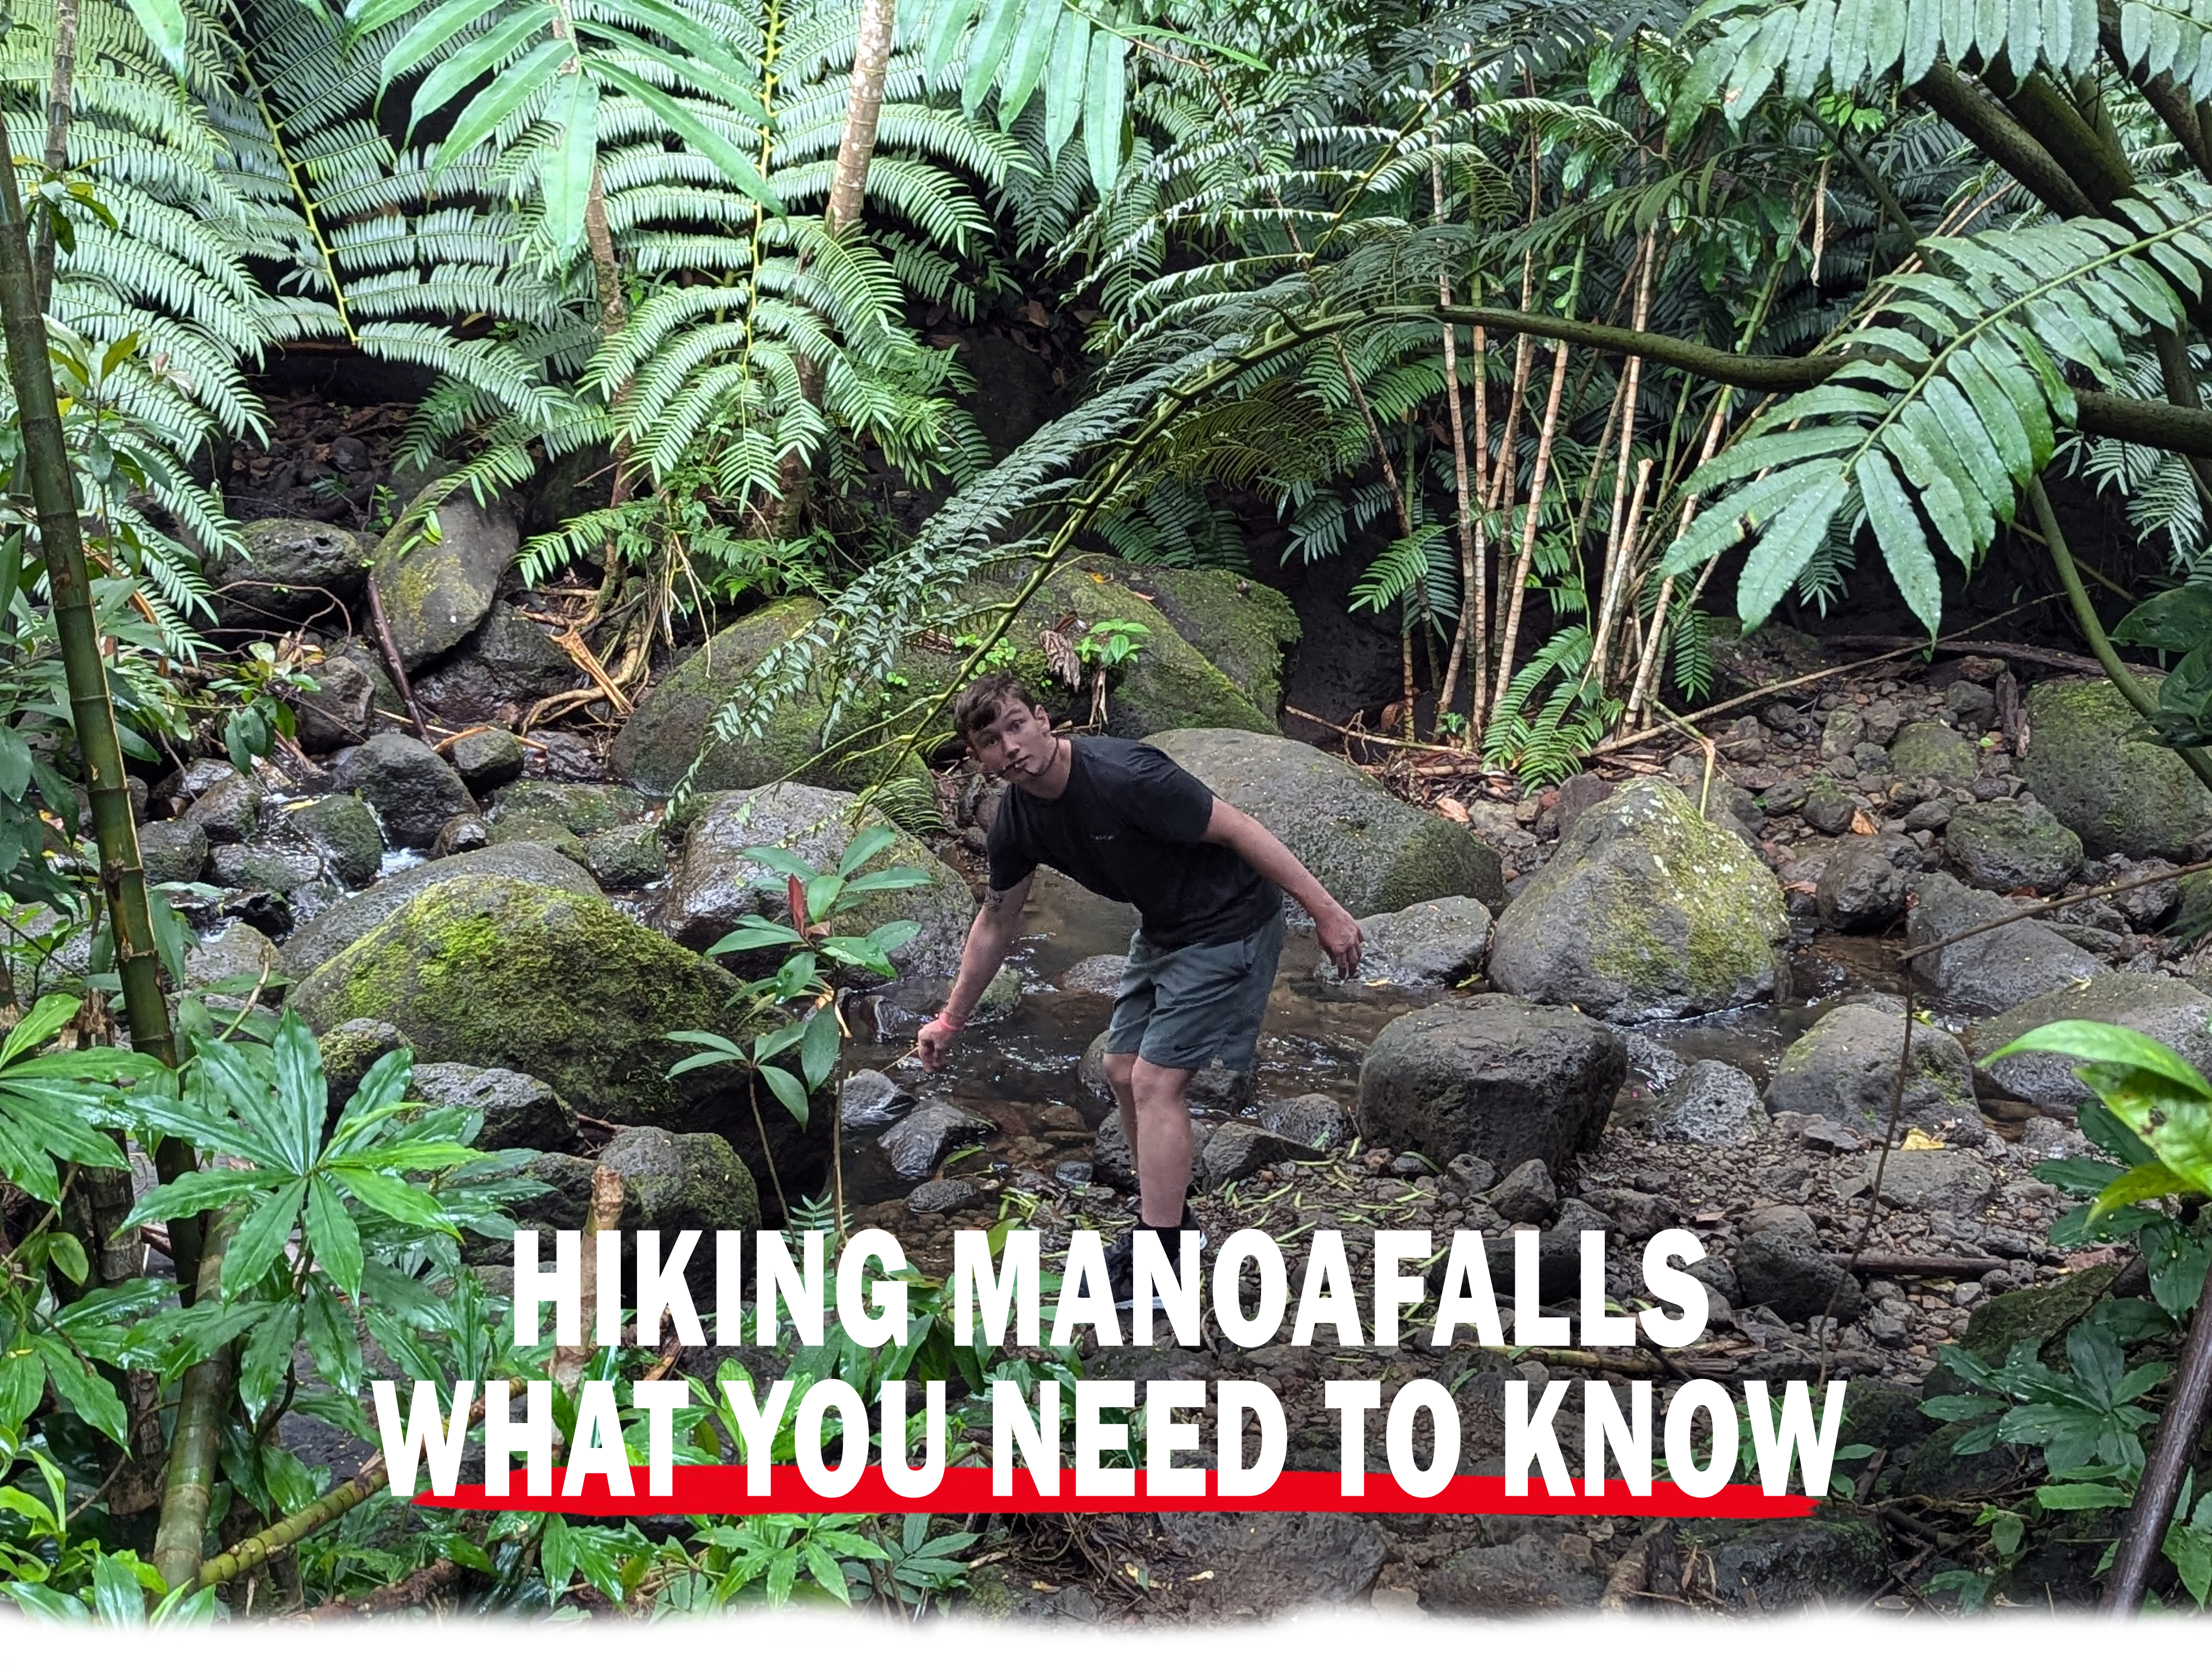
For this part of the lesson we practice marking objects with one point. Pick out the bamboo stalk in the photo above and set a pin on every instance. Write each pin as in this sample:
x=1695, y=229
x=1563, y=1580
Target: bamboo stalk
x=1617, y=551
x=1509, y=638
x=195, y=1450
x=1655, y=645
x=1463, y=499
x=60, y=102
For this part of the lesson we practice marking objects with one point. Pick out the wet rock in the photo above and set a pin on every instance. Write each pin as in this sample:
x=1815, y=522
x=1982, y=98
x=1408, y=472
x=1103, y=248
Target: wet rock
x=1946, y=1180
x=506, y=662
x=1428, y=945
x=1972, y=706
x=1781, y=1271
x=229, y=812
x=1238, y=1150
x=940, y=1197
x=627, y=858
x=413, y=790
x=1651, y=1063
x=345, y=830
x=1374, y=853
x=2165, y=1009
x=492, y=970
x=1578, y=793
x=2148, y=905
x=2093, y=763
x=901, y=1009
x=1095, y=975
x=2008, y=846
x=1493, y=1075
x=1112, y=1163
x=869, y=1099
x=671, y=1182
x=1646, y=910
x=280, y=572
x=918, y=1141
x=489, y=757
x=1712, y=1103
x=238, y=954
x=582, y=808
x=1525, y=1575
x=1265, y=1563
x=1921, y=751
x=1929, y=815
x=1998, y=969
x=1311, y=1119
x=341, y=710
x=531, y=830
x=172, y=852
x=715, y=884
x=1528, y=1194
x=1844, y=1068
x=1785, y=796
x=1860, y=888
x=1769, y=1567
x=466, y=832
x=1826, y=807
x=519, y=1111
x=261, y=867
x=435, y=593
x=1786, y=1218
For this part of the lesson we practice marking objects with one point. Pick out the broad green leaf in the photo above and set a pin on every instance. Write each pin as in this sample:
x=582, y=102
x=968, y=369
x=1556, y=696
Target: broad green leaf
x=480, y=57
x=1064, y=81
x=864, y=846
x=2138, y=1185
x=303, y=1093
x=391, y=1197
x=261, y=1237
x=987, y=50
x=566, y=166
x=267, y=1352
x=1904, y=545
x=942, y=37
x=424, y=41
x=201, y=1190
x=162, y=22
x=2108, y=1043
x=737, y=167
x=38, y=1026
x=520, y=80
x=1105, y=91
x=81, y=1388
x=787, y=1089
x=818, y=1048
x=1026, y=58
x=332, y=1238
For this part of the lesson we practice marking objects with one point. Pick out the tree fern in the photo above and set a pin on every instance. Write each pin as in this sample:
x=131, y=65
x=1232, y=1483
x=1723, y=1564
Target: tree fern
x=1958, y=388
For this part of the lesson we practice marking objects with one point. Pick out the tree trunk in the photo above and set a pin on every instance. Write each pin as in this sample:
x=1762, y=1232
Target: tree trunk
x=60, y=94
x=848, y=186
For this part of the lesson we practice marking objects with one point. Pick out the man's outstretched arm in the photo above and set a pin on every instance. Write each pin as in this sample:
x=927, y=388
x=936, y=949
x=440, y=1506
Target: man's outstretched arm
x=997, y=923
x=1338, y=931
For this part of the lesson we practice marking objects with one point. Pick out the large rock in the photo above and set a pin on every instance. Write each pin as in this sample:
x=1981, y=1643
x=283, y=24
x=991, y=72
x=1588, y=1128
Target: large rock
x=519, y=1111
x=1423, y=947
x=497, y=972
x=345, y=923
x=351, y=686
x=344, y=829
x=2091, y=759
x=1789, y=1274
x=435, y=593
x=172, y=852
x=1245, y=629
x=1994, y=969
x=1646, y=910
x=918, y=1141
x=671, y=1182
x=1491, y=1075
x=413, y=790
x=280, y=572
x=1860, y=888
x=1711, y=1104
x=2164, y=1008
x=1374, y=853
x=1923, y=752
x=506, y=660
x=715, y=884
x=2005, y=845
x=1829, y=1561
x=1523, y=1576
x=1844, y=1068
x=1168, y=684
x=582, y=808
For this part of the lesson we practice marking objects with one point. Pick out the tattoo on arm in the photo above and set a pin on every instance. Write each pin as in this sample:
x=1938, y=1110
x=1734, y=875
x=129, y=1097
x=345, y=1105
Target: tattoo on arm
x=994, y=900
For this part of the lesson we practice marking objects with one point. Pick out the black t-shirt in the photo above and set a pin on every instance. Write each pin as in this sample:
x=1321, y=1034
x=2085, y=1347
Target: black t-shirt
x=1130, y=826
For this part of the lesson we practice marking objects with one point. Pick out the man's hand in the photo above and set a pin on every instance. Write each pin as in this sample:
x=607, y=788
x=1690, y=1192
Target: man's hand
x=1340, y=937
x=934, y=1040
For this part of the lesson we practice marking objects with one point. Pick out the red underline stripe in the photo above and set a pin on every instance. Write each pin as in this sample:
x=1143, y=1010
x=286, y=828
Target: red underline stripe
x=721, y=1490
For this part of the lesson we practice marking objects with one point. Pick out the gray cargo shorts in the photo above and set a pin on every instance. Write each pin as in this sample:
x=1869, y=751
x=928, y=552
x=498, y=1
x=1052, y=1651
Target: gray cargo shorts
x=1184, y=1008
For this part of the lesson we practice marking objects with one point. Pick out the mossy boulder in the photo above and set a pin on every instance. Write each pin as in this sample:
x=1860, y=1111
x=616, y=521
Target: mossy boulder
x=715, y=884
x=1646, y=910
x=671, y=1182
x=2007, y=845
x=1375, y=854
x=345, y=830
x=2166, y=1009
x=435, y=593
x=2092, y=760
x=498, y=972
x=345, y=923
x=1247, y=630
x=1168, y=684
x=1923, y=752
x=582, y=807
x=1844, y=1068
x=282, y=571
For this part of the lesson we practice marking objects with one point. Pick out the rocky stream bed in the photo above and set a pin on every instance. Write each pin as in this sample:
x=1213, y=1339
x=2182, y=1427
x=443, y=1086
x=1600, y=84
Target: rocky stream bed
x=1593, y=1006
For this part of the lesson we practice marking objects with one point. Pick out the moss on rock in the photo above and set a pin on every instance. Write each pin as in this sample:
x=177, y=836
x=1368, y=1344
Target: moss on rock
x=1245, y=629
x=2091, y=759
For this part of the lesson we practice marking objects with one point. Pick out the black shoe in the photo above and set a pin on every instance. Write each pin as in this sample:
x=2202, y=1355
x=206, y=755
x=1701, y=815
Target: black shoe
x=1121, y=1263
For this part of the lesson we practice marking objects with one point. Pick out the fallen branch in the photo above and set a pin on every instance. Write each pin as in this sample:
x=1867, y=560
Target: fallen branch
x=411, y=1592
x=2144, y=1535
x=1926, y=1266
x=392, y=659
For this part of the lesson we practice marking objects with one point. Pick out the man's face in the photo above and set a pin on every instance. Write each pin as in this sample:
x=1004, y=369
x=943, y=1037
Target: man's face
x=1017, y=744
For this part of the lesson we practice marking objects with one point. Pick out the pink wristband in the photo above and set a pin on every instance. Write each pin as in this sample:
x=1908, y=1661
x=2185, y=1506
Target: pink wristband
x=950, y=1023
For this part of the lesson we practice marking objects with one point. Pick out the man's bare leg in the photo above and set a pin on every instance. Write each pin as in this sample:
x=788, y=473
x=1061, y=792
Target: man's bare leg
x=1162, y=1152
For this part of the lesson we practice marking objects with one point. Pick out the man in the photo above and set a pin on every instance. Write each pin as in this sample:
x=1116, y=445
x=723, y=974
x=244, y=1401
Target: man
x=1122, y=819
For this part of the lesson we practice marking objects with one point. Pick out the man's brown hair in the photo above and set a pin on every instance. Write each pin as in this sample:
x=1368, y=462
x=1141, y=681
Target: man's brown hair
x=982, y=700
